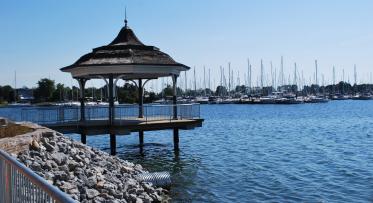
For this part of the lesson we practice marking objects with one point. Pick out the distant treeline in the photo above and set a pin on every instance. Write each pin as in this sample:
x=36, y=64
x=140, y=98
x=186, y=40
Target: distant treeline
x=48, y=91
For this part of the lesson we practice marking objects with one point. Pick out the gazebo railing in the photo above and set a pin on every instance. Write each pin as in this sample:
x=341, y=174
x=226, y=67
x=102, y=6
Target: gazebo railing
x=68, y=114
x=50, y=115
x=157, y=112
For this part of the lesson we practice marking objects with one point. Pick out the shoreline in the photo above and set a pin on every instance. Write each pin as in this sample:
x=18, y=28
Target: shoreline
x=84, y=173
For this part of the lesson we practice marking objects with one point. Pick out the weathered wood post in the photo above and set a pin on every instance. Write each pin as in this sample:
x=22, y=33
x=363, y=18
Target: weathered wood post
x=113, y=144
x=141, y=110
x=174, y=93
x=174, y=99
x=176, y=139
x=141, y=99
x=82, y=82
x=141, y=138
x=111, y=100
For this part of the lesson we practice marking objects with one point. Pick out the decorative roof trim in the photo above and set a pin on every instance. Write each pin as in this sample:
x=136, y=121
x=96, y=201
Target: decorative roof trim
x=67, y=68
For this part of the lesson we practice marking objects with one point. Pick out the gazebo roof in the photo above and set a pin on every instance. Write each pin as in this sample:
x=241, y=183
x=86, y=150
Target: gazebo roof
x=128, y=57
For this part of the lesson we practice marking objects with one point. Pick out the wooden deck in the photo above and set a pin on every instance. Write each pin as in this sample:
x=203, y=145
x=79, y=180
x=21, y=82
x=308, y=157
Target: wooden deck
x=117, y=120
x=123, y=127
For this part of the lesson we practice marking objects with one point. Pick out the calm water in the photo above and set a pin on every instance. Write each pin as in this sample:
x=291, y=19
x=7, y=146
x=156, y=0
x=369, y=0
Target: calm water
x=272, y=153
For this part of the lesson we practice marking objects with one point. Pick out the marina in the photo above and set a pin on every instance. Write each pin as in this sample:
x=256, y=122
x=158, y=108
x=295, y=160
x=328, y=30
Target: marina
x=198, y=101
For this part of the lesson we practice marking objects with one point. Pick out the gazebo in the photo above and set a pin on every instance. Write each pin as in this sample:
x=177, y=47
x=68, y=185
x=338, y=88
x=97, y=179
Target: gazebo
x=126, y=58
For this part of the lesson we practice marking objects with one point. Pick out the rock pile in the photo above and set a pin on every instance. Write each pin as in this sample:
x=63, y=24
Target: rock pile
x=87, y=174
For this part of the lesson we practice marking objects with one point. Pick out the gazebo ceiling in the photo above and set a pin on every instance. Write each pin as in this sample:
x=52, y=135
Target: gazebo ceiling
x=127, y=56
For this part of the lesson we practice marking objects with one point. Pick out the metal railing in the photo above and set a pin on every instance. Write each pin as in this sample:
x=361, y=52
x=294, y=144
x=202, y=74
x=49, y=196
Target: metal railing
x=20, y=184
x=50, y=115
x=158, y=112
x=64, y=114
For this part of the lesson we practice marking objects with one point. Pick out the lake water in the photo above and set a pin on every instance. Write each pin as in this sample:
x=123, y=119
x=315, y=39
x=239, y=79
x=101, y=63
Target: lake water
x=271, y=153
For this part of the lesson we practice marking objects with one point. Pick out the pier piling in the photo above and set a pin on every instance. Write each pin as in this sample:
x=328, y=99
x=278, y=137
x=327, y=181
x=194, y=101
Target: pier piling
x=83, y=138
x=141, y=138
x=113, y=144
x=176, y=139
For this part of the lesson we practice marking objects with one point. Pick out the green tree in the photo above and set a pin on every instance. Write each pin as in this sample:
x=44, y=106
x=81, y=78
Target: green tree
x=150, y=97
x=59, y=93
x=167, y=91
x=128, y=94
x=221, y=91
x=6, y=94
x=45, y=89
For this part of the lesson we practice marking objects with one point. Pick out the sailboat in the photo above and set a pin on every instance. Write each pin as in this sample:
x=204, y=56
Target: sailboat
x=15, y=103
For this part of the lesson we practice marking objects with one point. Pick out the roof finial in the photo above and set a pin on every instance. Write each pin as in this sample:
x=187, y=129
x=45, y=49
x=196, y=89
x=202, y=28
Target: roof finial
x=125, y=16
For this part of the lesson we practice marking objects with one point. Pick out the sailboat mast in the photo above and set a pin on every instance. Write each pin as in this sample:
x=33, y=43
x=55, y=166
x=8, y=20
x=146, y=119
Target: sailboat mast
x=204, y=80
x=15, y=86
x=272, y=81
x=238, y=78
x=232, y=80
x=355, y=75
x=195, y=82
x=333, y=75
x=221, y=76
x=248, y=73
x=282, y=71
x=229, y=78
x=343, y=79
x=333, y=79
x=323, y=84
x=261, y=74
x=295, y=75
x=186, y=81
x=275, y=79
x=250, y=78
x=316, y=74
x=209, y=79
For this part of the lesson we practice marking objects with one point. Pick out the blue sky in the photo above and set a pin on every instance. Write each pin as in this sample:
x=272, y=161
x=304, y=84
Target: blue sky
x=39, y=37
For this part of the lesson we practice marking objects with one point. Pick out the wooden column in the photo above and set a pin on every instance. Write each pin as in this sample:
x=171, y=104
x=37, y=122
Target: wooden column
x=174, y=98
x=176, y=139
x=141, y=99
x=82, y=82
x=113, y=142
x=111, y=100
x=141, y=138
